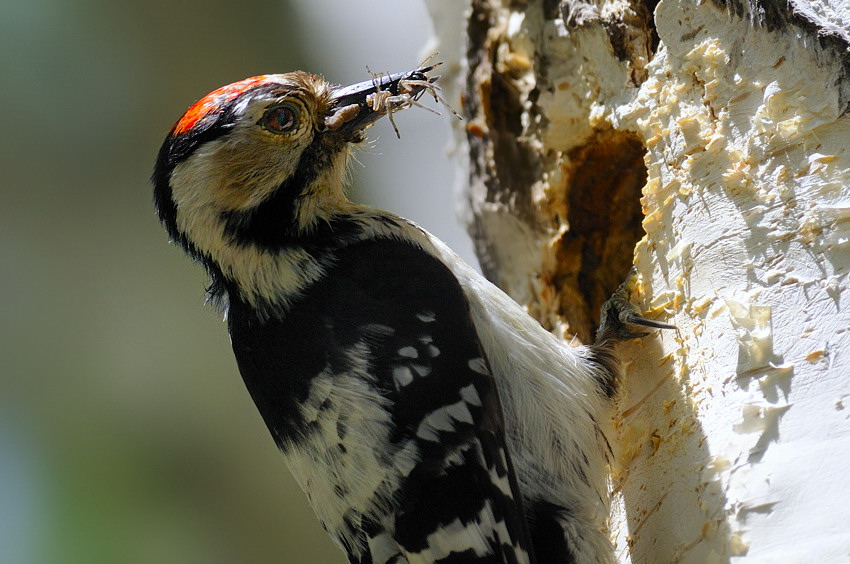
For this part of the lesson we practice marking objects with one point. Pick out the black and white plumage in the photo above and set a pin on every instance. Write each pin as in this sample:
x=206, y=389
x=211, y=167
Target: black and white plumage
x=427, y=417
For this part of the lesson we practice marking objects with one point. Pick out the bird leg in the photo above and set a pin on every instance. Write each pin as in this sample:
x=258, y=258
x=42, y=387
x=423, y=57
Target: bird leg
x=620, y=319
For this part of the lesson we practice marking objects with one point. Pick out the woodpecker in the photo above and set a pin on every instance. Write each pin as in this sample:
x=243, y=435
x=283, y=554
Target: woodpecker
x=425, y=414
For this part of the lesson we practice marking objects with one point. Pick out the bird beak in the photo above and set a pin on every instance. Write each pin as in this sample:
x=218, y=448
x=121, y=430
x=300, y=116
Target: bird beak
x=356, y=107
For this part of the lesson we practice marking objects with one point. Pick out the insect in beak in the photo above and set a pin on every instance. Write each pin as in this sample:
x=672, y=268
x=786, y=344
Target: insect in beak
x=358, y=106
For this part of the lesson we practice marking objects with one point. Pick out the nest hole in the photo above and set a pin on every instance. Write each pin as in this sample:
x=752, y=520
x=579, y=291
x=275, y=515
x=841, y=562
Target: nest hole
x=605, y=223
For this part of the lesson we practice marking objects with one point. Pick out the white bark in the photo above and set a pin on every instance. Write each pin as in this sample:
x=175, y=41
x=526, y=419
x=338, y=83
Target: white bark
x=734, y=434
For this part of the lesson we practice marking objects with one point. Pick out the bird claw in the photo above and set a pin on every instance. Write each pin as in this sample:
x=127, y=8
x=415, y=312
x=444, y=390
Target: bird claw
x=621, y=320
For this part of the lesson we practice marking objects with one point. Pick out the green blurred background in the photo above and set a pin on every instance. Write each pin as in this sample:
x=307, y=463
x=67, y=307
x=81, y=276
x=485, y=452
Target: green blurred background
x=126, y=435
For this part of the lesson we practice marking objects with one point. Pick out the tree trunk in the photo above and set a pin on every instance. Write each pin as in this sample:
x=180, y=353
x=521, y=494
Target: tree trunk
x=705, y=144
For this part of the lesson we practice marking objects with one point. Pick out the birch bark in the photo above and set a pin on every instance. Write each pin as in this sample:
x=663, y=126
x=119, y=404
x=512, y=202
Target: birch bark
x=705, y=143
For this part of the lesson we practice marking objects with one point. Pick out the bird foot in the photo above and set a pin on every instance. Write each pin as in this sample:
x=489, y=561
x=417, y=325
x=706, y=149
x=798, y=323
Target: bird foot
x=621, y=320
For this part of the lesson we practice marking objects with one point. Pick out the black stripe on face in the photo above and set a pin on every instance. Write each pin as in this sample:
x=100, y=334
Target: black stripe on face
x=273, y=224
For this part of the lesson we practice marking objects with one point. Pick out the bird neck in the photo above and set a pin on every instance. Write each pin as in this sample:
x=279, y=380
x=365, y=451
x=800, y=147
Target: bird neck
x=272, y=278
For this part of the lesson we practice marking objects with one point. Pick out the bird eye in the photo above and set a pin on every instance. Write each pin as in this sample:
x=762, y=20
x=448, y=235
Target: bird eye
x=280, y=119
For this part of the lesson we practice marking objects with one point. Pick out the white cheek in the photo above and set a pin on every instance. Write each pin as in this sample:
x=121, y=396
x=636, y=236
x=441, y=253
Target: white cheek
x=235, y=176
x=261, y=275
x=197, y=213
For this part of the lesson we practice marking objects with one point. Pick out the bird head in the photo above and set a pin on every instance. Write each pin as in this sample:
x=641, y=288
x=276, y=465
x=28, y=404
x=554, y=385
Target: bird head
x=257, y=165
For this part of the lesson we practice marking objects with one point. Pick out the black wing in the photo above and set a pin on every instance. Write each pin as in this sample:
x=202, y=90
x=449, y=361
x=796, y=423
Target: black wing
x=400, y=312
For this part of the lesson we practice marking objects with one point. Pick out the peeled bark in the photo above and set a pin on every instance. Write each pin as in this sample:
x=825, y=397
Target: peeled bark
x=705, y=144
